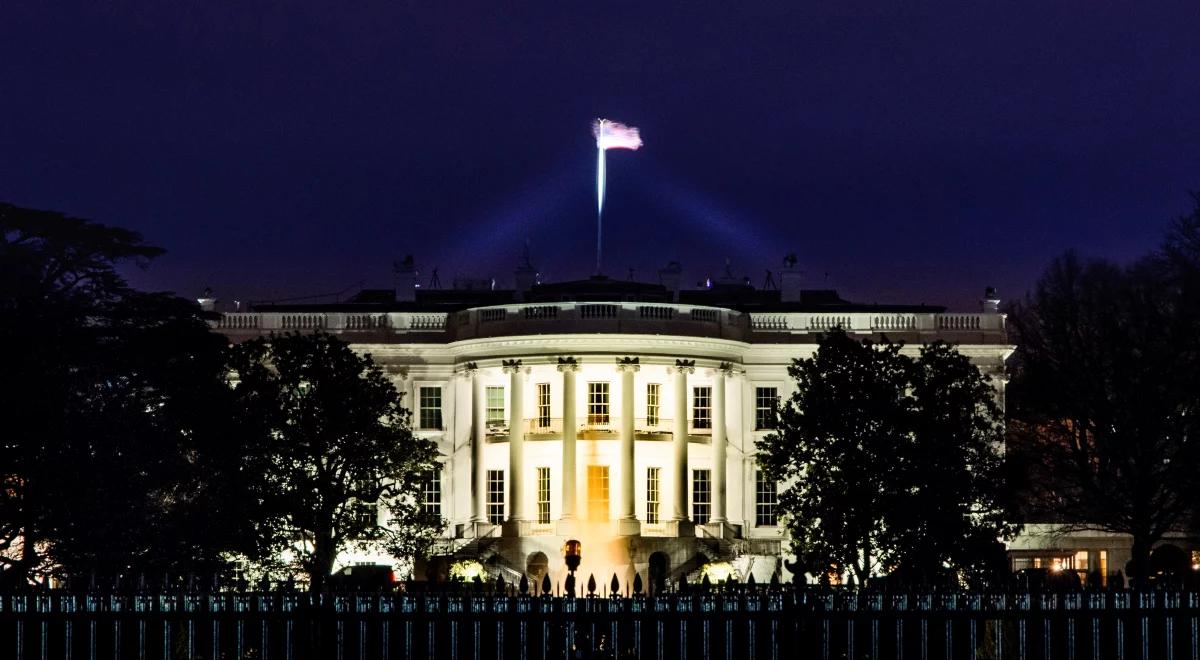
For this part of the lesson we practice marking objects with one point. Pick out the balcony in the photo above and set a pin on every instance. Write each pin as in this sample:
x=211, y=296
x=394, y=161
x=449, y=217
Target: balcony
x=551, y=428
x=868, y=322
x=617, y=317
x=614, y=317
x=332, y=322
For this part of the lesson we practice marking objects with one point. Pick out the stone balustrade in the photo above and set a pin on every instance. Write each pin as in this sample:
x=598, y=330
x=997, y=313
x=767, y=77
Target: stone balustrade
x=334, y=322
x=611, y=317
x=927, y=322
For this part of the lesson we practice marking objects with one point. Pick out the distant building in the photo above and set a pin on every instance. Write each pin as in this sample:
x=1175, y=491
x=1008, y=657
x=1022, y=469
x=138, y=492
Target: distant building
x=622, y=414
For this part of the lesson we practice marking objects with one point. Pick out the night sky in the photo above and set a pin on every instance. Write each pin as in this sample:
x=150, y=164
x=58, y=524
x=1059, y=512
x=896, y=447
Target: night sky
x=906, y=152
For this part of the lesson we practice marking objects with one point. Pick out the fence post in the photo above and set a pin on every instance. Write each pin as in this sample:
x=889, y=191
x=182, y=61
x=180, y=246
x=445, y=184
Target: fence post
x=1120, y=604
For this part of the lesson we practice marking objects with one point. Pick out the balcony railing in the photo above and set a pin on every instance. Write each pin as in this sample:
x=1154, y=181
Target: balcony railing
x=616, y=317
x=619, y=317
x=553, y=427
x=920, y=322
x=398, y=322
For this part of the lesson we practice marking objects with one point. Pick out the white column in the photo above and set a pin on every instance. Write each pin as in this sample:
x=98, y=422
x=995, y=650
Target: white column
x=719, y=443
x=680, y=464
x=627, y=522
x=568, y=367
x=478, y=428
x=516, y=448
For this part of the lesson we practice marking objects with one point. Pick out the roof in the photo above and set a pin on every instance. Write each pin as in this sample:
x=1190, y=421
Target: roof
x=730, y=295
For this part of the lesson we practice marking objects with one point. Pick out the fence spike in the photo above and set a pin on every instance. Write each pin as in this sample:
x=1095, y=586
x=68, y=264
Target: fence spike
x=614, y=587
x=591, y=585
x=637, y=583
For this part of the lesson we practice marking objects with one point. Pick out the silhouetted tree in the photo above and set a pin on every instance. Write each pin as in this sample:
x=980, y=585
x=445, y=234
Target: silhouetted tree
x=835, y=442
x=112, y=454
x=953, y=503
x=334, y=448
x=1106, y=390
x=890, y=462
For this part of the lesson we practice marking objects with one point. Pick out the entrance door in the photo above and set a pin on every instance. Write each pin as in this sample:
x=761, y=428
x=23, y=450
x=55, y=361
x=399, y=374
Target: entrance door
x=597, y=492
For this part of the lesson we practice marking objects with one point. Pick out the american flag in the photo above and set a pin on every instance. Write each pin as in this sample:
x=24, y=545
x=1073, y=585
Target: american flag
x=615, y=135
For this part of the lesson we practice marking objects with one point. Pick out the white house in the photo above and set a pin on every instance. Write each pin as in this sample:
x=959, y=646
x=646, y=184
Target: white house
x=620, y=414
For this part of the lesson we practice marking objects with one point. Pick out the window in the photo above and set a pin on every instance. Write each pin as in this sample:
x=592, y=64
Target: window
x=765, y=499
x=652, y=390
x=598, y=492
x=597, y=403
x=701, y=496
x=365, y=513
x=431, y=408
x=431, y=491
x=543, y=495
x=765, y=401
x=702, y=408
x=543, y=405
x=495, y=492
x=652, y=501
x=495, y=405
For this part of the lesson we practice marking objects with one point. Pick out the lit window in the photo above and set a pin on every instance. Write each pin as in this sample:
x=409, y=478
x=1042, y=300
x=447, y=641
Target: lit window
x=495, y=501
x=365, y=513
x=431, y=491
x=543, y=405
x=701, y=496
x=652, y=501
x=766, y=399
x=430, y=402
x=495, y=405
x=652, y=390
x=543, y=495
x=598, y=492
x=597, y=403
x=702, y=408
x=765, y=500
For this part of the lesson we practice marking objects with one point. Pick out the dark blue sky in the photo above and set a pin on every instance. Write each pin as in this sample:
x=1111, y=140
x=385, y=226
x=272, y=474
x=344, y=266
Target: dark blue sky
x=913, y=151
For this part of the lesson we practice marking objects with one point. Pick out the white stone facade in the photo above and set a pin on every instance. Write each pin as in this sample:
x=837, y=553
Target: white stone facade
x=671, y=387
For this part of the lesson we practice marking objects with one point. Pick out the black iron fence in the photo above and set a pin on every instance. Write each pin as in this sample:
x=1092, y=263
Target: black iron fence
x=746, y=623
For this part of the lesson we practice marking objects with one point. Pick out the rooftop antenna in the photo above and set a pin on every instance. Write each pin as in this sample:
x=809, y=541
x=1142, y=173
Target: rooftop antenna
x=769, y=283
x=435, y=282
x=630, y=274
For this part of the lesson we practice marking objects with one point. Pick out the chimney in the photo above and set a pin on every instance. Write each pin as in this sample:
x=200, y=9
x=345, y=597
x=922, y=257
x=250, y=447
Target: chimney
x=790, y=280
x=206, y=301
x=669, y=277
x=526, y=275
x=991, y=302
x=406, y=279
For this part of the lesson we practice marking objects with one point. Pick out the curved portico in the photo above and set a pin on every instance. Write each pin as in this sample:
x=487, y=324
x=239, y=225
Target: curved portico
x=638, y=421
x=628, y=422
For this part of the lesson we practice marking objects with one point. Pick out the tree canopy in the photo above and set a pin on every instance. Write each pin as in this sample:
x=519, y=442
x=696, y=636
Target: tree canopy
x=335, y=462
x=115, y=440
x=890, y=463
x=1106, y=392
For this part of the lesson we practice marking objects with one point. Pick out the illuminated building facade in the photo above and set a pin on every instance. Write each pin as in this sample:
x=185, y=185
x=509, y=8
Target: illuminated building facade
x=618, y=413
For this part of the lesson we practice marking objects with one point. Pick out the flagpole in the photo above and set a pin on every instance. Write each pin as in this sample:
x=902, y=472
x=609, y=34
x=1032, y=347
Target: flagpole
x=599, y=201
